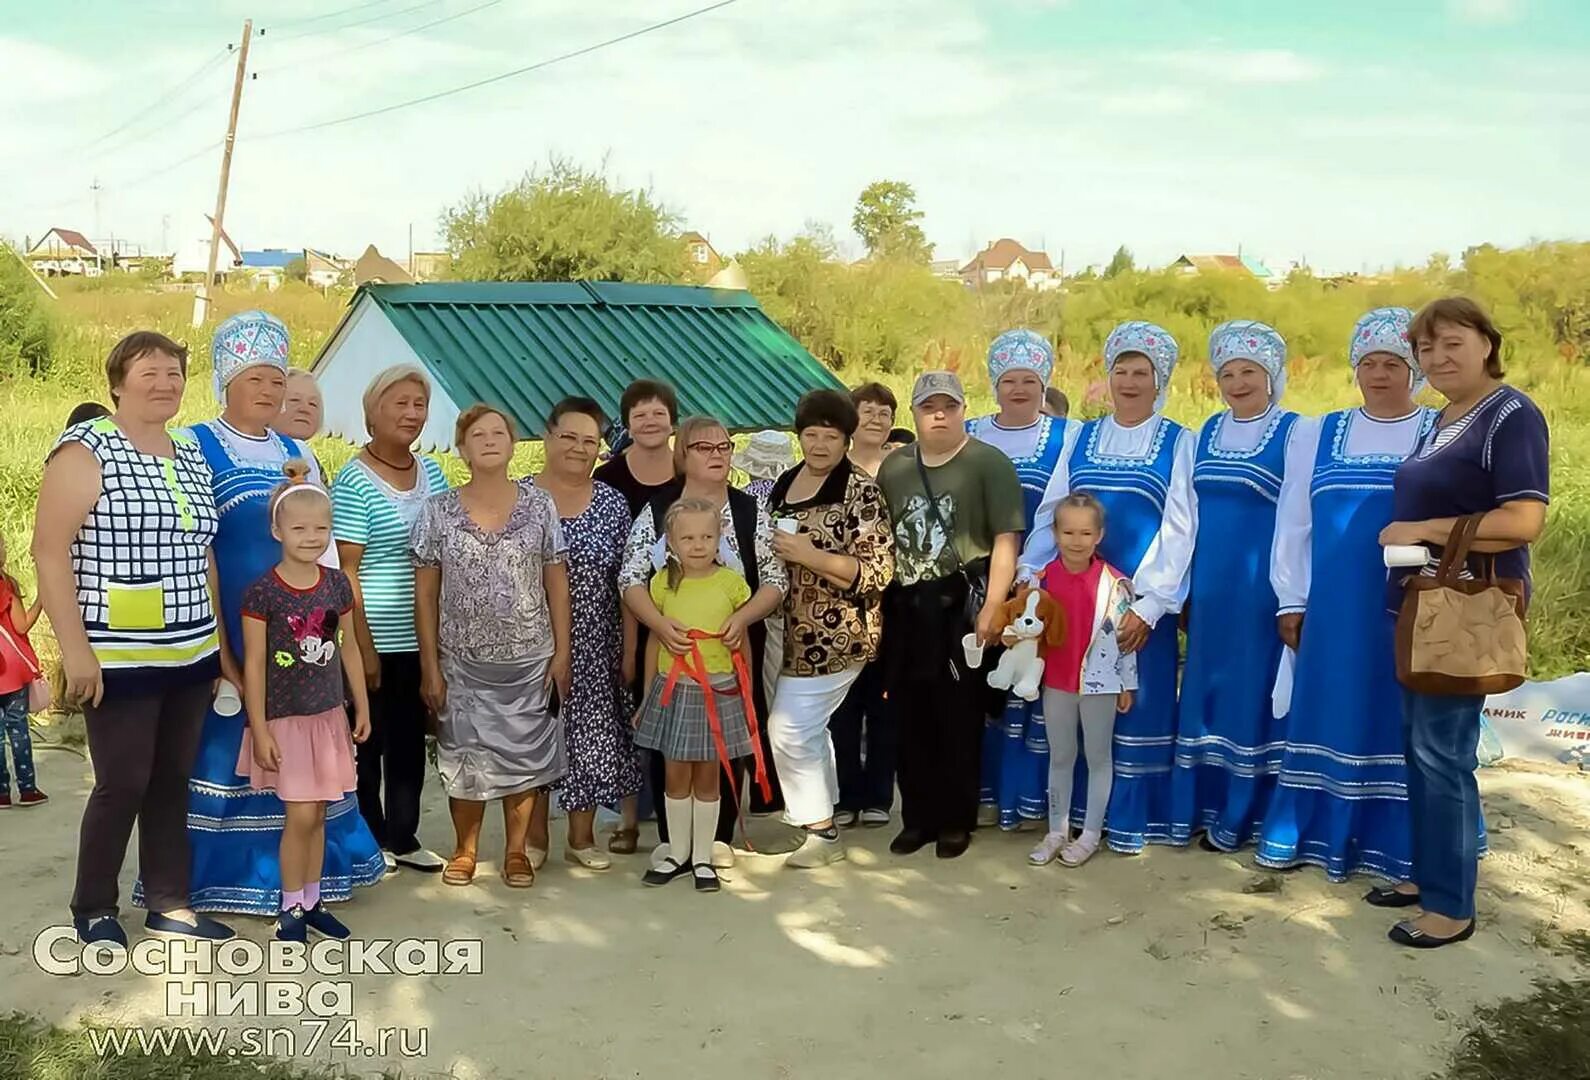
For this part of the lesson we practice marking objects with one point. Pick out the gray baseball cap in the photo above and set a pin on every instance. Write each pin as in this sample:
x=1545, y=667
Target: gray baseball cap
x=930, y=383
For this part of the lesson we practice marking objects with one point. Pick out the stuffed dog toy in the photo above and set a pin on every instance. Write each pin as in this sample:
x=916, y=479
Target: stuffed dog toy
x=1033, y=624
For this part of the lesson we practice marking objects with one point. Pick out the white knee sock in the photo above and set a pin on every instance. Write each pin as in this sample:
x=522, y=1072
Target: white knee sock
x=680, y=827
x=703, y=833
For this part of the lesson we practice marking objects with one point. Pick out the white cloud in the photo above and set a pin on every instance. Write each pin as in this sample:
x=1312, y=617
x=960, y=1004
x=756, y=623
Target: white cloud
x=1246, y=66
x=35, y=73
x=1487, y=12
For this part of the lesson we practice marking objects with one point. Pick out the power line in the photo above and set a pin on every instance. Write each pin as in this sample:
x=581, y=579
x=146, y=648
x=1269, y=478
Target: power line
x=329, y=14
x=167, y=96
x=359, y=22
x=380, y=41
x=537, y=66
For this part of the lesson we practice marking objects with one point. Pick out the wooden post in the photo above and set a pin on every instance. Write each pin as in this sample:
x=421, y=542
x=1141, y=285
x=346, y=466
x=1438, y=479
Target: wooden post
x=201, y=299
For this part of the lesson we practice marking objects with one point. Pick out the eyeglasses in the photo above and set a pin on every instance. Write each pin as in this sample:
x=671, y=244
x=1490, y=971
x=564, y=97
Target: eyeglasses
x=572, y=441
x=713, y=449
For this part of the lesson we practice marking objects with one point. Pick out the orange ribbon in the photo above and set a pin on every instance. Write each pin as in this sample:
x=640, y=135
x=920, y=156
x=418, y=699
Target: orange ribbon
x=698, y=675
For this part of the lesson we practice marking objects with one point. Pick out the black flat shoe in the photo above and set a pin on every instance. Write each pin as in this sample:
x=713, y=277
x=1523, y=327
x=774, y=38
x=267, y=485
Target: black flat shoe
x=1209, y=845
x=952, y=845
x=707, y=879
x=1405, y=933
x=1380, y=896
x=909, y=842
x=664, y=872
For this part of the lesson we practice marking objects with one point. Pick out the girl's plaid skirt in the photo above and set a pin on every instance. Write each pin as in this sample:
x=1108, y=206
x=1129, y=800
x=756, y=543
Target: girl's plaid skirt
x=680, y=731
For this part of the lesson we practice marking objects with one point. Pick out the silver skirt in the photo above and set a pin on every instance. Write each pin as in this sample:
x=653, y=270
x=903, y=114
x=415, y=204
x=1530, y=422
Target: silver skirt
x=496, y=736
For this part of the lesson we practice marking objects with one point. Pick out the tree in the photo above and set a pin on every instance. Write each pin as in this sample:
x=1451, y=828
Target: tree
x=565, y=223
x=24, y=327
x=1120, y=262
x=297, y=269
x=886, y=220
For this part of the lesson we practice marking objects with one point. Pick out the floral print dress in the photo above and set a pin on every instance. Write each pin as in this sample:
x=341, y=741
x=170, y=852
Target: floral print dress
x=603, y=766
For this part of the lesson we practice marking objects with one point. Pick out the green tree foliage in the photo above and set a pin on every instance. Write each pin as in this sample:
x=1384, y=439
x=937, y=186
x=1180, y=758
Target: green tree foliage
x=24, y=326
x=564, y=223
x=1120, y=262
x=886, y=219
x=297, y=269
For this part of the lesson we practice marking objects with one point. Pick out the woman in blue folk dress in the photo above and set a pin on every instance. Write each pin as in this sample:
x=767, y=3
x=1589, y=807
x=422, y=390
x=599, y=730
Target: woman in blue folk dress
x=1229, y=738
x=234, y=831
x=1015, y=752
x=1342, y=801
x=1138, y=463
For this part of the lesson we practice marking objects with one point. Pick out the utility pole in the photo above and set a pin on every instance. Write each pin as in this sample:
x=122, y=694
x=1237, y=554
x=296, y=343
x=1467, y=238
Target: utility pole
x=201, y=299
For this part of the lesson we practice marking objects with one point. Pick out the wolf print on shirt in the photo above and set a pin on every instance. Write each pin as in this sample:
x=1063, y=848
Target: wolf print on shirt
x=920, y=541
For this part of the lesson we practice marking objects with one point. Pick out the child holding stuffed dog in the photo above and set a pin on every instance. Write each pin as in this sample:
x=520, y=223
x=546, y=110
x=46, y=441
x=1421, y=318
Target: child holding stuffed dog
x=1087, y=679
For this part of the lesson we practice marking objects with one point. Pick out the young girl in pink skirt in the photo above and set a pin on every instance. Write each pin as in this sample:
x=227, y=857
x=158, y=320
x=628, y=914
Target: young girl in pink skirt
x=297, y=743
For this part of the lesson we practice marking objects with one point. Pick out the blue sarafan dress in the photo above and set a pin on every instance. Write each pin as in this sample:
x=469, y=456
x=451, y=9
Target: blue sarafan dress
x=1015, y=776
x=1229, y=741
x=1342, y=799
x=1134, y=493
x=233, y=831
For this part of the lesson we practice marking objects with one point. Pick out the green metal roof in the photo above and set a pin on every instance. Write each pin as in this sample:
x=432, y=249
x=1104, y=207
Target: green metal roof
x=523, y=346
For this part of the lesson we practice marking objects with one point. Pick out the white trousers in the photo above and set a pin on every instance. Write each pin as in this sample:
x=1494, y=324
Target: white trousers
x=797, y=726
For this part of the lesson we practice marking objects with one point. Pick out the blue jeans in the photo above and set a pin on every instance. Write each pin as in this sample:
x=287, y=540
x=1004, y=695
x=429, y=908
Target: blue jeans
x=14, y=715
x=1441, y=735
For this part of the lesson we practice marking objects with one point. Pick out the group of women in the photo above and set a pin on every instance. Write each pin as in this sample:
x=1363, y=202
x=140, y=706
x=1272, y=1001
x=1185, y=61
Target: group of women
x=512, y=614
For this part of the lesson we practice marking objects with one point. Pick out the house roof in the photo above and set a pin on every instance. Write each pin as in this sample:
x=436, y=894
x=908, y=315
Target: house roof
x=525, y=346
x=68, y=236
x=270, y=259
x=1002, y=252
x=1203, y=263
x=375, y=268
x=693, y=237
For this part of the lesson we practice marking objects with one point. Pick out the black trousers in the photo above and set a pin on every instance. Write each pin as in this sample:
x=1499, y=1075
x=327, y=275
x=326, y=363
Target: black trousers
x=728, y=812
x=866, y=743
x=395, y=754
x=143, y=746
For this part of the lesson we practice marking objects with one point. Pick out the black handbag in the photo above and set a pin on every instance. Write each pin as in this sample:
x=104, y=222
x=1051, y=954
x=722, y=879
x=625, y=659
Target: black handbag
x=974, y=575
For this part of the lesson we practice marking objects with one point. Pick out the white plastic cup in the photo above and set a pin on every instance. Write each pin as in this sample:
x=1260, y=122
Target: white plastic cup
x=787, y=525
x=227, y=700
x=974, y=651
x=1406, y=555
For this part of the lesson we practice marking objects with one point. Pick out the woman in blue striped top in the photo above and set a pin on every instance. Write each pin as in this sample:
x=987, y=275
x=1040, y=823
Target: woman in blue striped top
x=374, y=500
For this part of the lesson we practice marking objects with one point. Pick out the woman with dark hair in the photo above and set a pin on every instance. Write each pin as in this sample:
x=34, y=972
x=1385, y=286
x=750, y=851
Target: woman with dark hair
x=701, y=457
x=833, y=534
x=139, y=653
x=603, y=767
x=648, y=411
x=1489, y=454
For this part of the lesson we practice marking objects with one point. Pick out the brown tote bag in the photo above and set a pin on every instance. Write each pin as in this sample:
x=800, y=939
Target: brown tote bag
x=1459, y=636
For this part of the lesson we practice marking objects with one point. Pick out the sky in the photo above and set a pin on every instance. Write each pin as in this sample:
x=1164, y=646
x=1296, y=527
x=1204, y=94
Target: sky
x=1354, y=134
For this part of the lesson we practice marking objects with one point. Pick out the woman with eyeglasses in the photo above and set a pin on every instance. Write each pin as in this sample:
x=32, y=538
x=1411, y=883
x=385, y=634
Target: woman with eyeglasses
x=604, y=769
x=702, y=450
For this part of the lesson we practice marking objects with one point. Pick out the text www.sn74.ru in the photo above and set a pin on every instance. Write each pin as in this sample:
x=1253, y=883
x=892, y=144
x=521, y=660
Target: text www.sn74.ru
x=306, y=1038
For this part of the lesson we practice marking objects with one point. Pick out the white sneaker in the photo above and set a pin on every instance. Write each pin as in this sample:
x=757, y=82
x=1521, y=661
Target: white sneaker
x=1047, y=848
x=722, y=856
x=589, y=858
x=846, y=819
x=815, y=852
x=390, y=860
x=422, y=859
x=874, y=819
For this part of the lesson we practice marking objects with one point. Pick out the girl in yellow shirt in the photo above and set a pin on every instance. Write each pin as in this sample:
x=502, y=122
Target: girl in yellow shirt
x=698, y=713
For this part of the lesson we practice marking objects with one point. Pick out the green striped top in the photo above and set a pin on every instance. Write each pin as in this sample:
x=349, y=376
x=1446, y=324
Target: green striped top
x=367, y=510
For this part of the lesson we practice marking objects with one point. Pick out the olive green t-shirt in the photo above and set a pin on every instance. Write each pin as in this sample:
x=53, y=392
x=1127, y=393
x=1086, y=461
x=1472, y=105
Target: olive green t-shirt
x=979, y=497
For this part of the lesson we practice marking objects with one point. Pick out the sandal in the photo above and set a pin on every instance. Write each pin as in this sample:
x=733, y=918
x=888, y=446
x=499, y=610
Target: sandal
x=1081, y=849
x=517, y=871
x=624, y=841
x=460, y=870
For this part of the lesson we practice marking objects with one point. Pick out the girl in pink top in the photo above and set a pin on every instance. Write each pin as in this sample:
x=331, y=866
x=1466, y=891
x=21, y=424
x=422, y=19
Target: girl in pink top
x=1087, y=680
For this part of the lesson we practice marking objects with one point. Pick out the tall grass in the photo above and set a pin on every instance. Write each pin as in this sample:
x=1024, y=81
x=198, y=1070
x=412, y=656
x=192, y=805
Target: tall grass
x=89, y=320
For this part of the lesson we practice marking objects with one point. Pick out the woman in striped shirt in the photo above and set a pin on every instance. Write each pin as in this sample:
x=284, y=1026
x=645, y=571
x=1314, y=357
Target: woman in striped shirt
x=374, y=500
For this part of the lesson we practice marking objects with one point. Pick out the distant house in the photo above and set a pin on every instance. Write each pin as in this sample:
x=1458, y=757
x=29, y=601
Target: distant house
x=375, y=268
x=268, y=267
x=192, y=259
x=430, y=265
x=322, y=270
x=61, y=252
x=699, y=251
x=1227, y=264
x=1007, y=260
x=946, y=268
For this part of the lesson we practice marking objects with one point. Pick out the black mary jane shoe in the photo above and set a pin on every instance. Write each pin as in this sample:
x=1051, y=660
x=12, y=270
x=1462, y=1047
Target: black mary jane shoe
x=707, y=879
x=664, y=872
x=1405, y=933
x=1380, y=896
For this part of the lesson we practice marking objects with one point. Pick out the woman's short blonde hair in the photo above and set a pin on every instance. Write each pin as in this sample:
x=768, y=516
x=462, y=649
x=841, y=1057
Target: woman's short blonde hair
x=386, y=380
x=472, y=416
x=689, y=428
x=302, y=373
